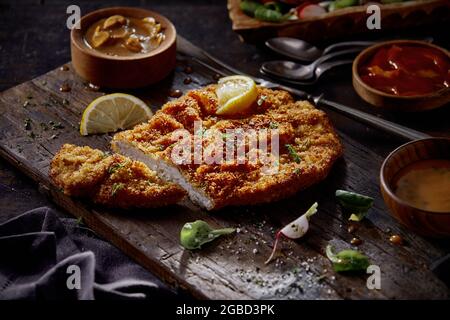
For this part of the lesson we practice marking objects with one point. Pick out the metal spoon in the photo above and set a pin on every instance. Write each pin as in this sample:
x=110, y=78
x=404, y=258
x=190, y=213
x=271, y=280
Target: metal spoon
x=320, y=70
x=295, y=71
x=302, y=50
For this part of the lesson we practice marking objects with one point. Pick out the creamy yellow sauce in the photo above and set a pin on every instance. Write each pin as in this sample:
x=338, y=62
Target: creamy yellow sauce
x=425, y=185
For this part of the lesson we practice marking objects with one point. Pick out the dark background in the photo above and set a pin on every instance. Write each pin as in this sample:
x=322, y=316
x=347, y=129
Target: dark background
x=34, y=40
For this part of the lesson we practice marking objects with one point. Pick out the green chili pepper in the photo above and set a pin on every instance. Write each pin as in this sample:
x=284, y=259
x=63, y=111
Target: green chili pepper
x=355, y=204
x=273, y=6
x=347, y=260
x=249, y=7
x=391, y=1
x=195, y=234
x=272, y=11
x=262, y=13
x=340, y=4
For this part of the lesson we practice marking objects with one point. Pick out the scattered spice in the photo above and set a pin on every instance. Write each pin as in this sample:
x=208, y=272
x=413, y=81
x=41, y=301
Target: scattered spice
x=187, y=80
x=53, y=137
x=26, y=103
x=27, y=124
x=57, y=126
x=188, y=69
x=43, y=126
x=294, y=155
x=92, y=87
x=65, y=102
x=356, y=241
x=352, y=228
x=396, y=239
x=175, y=93
x=65, y=87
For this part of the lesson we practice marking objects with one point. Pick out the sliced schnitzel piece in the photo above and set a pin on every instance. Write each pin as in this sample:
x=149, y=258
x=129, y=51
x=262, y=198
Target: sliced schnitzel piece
x=308, y=147
x=110, y=180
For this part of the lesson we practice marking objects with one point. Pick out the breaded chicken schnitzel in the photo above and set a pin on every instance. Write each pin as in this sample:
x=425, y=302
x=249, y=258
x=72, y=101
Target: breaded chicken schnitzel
x=111, y=180
x=308, y=147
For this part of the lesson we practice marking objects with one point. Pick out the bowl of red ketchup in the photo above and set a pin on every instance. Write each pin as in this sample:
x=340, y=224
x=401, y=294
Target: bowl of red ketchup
x=403, y=75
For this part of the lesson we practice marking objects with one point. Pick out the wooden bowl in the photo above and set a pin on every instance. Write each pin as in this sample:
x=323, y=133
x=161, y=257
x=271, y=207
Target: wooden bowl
x=392, y=102
x=137, y=70
x=428, y=223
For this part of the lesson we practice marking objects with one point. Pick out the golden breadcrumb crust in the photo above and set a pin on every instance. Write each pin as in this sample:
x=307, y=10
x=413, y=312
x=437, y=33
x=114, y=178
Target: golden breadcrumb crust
x=308, y=145
x=111, y=180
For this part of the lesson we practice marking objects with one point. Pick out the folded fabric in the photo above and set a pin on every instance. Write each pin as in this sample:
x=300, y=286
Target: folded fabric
x=45, y=257
x=441, y=269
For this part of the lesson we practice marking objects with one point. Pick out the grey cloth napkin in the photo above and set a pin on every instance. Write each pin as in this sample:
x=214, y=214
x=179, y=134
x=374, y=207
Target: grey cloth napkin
x=45, y=257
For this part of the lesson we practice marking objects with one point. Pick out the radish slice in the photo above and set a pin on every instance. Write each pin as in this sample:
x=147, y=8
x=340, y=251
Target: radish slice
x=311, y=11
x=294, y=230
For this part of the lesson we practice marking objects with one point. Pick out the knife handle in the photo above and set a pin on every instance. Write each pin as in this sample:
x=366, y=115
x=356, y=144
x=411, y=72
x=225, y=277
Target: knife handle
x=373, y=121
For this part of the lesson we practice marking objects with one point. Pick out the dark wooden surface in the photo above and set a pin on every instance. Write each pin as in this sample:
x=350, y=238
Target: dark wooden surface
x=228, y=269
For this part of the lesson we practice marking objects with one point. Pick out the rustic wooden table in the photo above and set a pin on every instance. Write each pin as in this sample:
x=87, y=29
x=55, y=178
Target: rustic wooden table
x=34, y=40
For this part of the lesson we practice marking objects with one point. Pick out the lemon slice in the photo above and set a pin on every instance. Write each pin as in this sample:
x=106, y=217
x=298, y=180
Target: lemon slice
x=113, y=112
x=236, y=94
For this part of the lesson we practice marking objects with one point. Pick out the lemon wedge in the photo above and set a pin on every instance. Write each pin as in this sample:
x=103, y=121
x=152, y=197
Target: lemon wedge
x=113, y=112
x=236, y=94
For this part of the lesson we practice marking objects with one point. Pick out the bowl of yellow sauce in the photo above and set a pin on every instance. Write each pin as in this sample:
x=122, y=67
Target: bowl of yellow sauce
x=415, y=184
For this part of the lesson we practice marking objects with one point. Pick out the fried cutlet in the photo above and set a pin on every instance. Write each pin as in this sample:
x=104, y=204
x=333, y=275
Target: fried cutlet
x=110, y=180
x=308, y=147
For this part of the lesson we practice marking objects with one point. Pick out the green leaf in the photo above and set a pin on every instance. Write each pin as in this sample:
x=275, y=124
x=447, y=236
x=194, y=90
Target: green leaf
x=116, y=187
x=347, y=260
x=115, y=167
x=195, y=234
x=294, y=155
x=357, y=205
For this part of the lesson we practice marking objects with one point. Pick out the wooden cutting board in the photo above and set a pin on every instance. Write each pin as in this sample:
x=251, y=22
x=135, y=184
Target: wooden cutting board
x=36, y=118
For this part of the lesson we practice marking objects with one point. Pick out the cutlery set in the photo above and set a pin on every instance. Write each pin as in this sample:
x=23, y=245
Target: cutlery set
x=298, y=73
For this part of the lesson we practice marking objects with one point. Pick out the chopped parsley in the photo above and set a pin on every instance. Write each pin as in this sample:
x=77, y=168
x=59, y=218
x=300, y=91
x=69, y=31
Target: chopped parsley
x=57, y=126
x=115, y=167
x=294, y=155
x=116, y=187
x=261, y=100
x=273, y=125
x=27, y=124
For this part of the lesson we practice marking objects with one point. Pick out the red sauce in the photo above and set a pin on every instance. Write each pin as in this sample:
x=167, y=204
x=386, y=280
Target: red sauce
x=407, y=70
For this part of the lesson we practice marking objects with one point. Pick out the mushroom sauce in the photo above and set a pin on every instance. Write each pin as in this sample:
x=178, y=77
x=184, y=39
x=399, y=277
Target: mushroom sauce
x=425, y=184
x=124, y=36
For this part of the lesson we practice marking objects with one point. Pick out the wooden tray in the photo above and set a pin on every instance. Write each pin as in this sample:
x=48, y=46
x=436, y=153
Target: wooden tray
x=343, y=22
x=229, y=268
